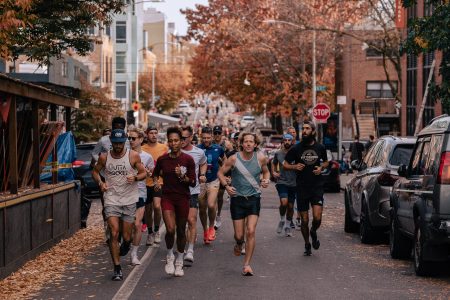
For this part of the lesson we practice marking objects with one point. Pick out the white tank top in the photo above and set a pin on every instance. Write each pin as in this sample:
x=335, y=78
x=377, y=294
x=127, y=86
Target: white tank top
x=119, y=191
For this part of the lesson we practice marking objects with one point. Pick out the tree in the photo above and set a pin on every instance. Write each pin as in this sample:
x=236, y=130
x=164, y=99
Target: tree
x=41, y=29
x=428, y=34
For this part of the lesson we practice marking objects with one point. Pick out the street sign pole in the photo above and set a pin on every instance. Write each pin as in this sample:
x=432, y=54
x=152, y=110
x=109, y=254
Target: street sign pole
x=341, y=100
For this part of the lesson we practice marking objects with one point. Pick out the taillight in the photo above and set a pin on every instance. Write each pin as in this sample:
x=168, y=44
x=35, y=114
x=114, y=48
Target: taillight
x=444, y=169
x=77, y=163
x=387, y=179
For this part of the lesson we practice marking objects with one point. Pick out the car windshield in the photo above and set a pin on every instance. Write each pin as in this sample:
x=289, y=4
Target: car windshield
x=84, y=152
x=401, y=154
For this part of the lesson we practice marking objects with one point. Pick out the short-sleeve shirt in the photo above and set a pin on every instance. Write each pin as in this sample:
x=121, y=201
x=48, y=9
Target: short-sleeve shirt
x=287, y=177
x=165, y=167
x=199, y=159
x=311, y=156
x=149, y=163
x=213, y=153
x=155, y=152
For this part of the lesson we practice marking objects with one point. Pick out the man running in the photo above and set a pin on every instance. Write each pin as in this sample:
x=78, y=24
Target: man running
x=153, y=203
x=308, y=159
x=136, y=137
x=178, y=172
x=200, y=172
x=286, y=182
x=218, y=136
x=208, y=192
x=292, y=131
x=120, y=190
x=246, y=168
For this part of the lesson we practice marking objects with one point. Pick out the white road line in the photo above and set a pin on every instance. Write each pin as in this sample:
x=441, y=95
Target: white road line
x=134, y=277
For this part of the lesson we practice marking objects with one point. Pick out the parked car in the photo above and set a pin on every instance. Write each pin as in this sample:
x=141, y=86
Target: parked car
x=420, y=200
x=273, y=144
x=247, y=121
x=331, y=176
x=367, y=194
x=185, y=108
x=82, y=169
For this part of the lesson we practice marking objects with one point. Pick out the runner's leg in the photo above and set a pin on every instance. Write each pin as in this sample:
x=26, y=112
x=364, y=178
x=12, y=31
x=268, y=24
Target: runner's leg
x=169, y=221
x=113, y=224
x=250, y=242
x=156, y=213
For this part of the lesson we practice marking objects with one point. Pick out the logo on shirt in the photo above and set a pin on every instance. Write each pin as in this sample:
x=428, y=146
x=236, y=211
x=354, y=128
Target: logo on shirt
x=115, y=170
x=310, y=157
x=183, y=170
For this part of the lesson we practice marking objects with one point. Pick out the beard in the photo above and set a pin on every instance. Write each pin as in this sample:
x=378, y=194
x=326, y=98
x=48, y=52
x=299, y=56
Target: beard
x=307, y=139
x=287, y=146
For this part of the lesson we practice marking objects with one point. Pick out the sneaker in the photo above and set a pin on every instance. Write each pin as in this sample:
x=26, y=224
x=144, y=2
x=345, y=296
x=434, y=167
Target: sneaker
x=292, y=225
x=298, y=224
x=211, y=234
x=288, y=231
x=237, y=250
x=280, y=227
x=135, y=260
x=157, y=237
x=189, y=256
x=144, y=227
x=178, y=269
x=243, y=249
x=150, y=239
x=217, y=223
x=206, y=238
x=314, y=239
x=124, y=248
x=170, y=268
x=117, y=276
x=307, y=250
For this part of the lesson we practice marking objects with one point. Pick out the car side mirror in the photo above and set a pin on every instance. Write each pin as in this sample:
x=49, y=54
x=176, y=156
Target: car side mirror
x=402, y=170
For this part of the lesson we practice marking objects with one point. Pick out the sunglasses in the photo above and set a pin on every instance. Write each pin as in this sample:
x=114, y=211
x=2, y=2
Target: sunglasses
x=185, y=137
x=132, y=138
x=217, y=133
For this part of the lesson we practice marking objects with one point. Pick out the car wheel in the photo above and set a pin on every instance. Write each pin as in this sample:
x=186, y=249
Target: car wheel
x=366, y=231
x=349, y=225
x=399, y=245
x=422, y=268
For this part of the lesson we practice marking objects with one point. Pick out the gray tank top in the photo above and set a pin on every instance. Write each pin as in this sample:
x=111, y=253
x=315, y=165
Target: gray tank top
x=246, y=183
x=120, y=192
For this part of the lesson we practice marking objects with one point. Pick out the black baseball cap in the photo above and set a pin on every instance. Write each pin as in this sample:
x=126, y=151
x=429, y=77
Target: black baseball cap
x=217, y=128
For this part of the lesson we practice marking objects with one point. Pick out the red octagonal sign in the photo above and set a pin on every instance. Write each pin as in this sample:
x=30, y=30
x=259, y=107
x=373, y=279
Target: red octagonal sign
x=321, y=112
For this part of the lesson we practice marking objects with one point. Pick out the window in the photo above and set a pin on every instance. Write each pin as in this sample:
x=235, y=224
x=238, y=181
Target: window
x=432, y=165
x=379, y=89
x=64, y=69
x=401, y=155
x=121, y=32
x=121, y=90
x=421, y=157
x=379, y=154
x=415, y=165
x=120, y=62
x=373, y=153
x=106, y=69
x=91, y=30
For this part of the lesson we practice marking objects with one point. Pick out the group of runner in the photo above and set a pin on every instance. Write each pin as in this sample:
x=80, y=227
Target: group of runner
x=178, y=181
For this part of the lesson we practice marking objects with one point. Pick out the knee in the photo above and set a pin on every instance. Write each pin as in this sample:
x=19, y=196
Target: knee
x=250, y=233
x=114, y=234
x=192, y=221
x=170, y=230
x=316, y=223
x=138, y=224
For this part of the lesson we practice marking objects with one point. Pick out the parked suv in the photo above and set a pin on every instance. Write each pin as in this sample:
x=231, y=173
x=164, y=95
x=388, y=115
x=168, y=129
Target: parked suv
x=367, y=194
x=420, y=200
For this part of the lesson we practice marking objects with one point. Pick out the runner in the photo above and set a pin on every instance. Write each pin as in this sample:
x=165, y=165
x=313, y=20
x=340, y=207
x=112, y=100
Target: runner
x=246, y=168
x=218, y=140
x=178, y=172
x=136, y=137
x=200, y=172
x=291, y=130
x=286, y=182
x=120, y=192
x=308, y=159
x=208, y=192
x=153, y=203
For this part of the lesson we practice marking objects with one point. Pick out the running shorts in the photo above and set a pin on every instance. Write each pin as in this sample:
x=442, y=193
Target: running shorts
x=285, y=191
x=307, y=198
x=242, y=207
x=126, y=213
x=152, y=193
x=177, y=203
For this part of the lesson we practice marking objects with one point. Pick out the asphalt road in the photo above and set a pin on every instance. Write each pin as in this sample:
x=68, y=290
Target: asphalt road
x=341, y=269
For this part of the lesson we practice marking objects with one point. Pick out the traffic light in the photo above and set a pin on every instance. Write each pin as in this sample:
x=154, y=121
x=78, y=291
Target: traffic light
x=136, y=106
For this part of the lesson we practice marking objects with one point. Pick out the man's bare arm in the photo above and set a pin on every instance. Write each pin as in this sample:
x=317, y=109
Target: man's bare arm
x=225, y=168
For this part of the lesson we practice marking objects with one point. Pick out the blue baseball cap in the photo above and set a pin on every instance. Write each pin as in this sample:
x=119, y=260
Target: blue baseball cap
x=287, y=136
x=118, y=136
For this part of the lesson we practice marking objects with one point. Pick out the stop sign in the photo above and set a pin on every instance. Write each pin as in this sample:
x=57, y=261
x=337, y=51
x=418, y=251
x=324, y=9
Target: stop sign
x=321, y=112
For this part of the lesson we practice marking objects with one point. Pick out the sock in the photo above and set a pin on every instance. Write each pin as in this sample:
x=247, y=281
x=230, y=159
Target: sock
x=117, y=268
x=283, y=218
x=156, y=228
x=191, y=247
x=134, y=249
x=149, y=229
x=180, y=256
x=170, y=252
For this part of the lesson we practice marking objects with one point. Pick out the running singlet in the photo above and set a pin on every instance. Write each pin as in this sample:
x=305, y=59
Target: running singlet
x=245, y=183
x=119, y=191
x=213, y=154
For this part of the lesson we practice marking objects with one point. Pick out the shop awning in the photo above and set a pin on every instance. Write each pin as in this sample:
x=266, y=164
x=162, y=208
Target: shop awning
x=160, y=118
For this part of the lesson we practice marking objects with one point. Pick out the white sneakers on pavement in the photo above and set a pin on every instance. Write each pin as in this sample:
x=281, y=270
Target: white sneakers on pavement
x=157, y=236
x=189, y=256
x=170, y=268
x=280, y=227
x=178, y=268
x=150, y=239
x=135, y=260
x=217, y=222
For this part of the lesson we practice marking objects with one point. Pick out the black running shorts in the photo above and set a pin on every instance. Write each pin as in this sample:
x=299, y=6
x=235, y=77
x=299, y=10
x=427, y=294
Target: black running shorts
x=241, y=207
x=309, y=196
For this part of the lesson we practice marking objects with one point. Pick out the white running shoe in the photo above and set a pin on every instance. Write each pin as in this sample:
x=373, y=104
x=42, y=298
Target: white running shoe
x=157, y=237
x=170, y=268
x=178, y=269
x=288, y=231
x=280, y=227
x=243, y=249
x=135, y=260
x=189, y=256
x=217, y=222
x=150, y=239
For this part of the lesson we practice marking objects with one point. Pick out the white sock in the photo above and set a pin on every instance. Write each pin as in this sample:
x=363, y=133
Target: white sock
x=180, y=256
x=283, y=218
x=134, y=249
x=170, y=252
x=191, y=247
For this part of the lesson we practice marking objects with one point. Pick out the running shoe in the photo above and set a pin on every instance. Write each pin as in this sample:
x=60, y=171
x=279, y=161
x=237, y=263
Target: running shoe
x=144, y=227
x=206, y=238
x=280, y=227
x=288, y=231
x=124, y=248
x=157, y=237
x=150, y=239
x=178, y=269
x=247, y=271
x=307, y=250
x=237, y=250
x=315, y=240
x=211, y=234
x=217, y=223
x=135, y=260
x=189, y=256
x=243, y=249
x=117, y=276
x=170, y=268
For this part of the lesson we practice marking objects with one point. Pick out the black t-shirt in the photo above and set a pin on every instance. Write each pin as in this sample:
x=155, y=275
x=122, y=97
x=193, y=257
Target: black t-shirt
x=356, y=149
x=311, y=156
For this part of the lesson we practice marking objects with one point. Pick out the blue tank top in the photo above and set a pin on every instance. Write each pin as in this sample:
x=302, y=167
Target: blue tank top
x=240, y=182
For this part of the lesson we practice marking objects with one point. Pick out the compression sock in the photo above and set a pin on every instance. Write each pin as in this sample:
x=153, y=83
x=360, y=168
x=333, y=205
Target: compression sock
x=191, y=247
x=170, y=252
x=149, y=229
x=156, y=228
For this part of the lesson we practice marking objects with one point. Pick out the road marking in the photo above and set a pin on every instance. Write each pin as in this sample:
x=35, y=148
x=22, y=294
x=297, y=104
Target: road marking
x=134, y=277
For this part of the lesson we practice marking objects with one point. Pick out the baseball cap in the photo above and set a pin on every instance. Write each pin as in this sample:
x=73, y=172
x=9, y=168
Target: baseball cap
x=217, y=128
x=118, y=136
x=287, y=136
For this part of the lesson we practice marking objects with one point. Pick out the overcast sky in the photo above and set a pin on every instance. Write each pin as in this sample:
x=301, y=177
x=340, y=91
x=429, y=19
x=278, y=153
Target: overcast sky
x=172, y=10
